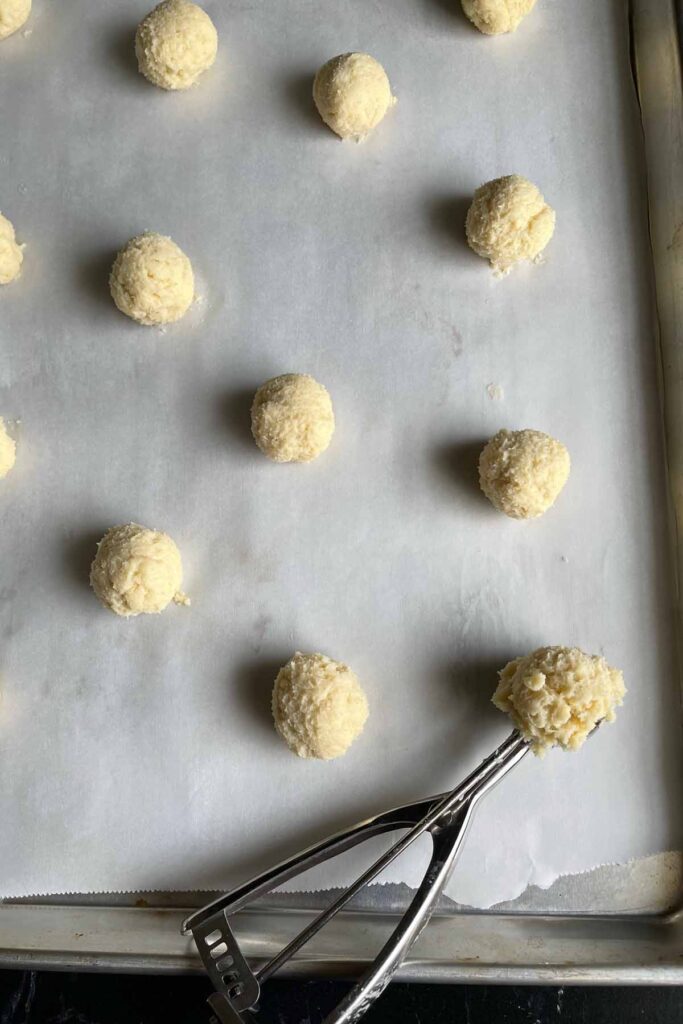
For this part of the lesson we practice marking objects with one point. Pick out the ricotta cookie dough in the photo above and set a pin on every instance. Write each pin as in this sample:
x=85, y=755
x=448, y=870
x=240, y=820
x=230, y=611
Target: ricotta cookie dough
x=508, y=221
x=137, y=571
x=151, y=280
x=319, y=706
x=557, y=695
x=352, y=94
x=13, y=14
x=292, y=419
x=175, y=44
x=522, y=472
x=11, y=253
x=8, y=450
x=493, y=17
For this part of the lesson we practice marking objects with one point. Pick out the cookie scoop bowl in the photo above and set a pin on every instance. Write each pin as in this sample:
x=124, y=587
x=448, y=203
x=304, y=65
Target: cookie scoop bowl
x=557, y=696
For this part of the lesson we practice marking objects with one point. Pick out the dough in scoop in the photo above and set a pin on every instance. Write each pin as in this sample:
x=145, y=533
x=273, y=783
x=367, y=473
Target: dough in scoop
x=151, y=280
x=175, y=44
x=8, y=450
x=522, y=472
x=137, y=570
x=492, y=17
x=508, y=221
x=11, y=254
x=352, y=94
x=319, y=706
x=292, y=418
x=555, y=696
x=13, y=14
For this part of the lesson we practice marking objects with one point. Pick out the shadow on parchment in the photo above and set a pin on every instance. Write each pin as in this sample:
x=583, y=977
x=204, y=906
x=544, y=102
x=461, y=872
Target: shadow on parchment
x=297, y=90
x=446, y=215
x=455, y=14
x=78, y=554
x=457, y=464
x=468, y=730
x=233, y=410
x=92, y=278
x=253, y=684
x=120, y=53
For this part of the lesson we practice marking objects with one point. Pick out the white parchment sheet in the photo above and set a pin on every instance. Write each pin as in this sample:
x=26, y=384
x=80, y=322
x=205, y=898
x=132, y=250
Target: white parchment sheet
x=140, y=754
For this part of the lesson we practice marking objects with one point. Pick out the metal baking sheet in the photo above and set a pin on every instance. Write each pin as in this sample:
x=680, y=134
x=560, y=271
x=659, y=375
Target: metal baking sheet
x=142, y=933
x=654, y=40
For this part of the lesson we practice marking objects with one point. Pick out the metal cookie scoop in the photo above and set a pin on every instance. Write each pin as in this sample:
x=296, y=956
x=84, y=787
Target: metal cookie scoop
x=445, y=817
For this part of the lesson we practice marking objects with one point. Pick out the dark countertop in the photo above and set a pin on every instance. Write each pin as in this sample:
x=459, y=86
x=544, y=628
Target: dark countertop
x=34, y=997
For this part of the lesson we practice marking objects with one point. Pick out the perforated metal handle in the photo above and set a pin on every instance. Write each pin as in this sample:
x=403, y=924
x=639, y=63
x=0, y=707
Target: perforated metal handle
x=236, y=985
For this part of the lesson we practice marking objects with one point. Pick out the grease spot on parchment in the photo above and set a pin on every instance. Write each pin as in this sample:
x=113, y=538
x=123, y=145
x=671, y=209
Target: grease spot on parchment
x=457, y=343
x=261, y=625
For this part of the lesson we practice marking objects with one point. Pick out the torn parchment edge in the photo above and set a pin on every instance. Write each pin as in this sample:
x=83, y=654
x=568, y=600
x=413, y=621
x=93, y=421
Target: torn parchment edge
x=651, y=884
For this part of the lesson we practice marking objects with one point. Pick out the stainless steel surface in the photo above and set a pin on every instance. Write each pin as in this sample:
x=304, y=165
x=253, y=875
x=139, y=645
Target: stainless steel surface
x=446, y=818
x=470, y=947
x=642, y=943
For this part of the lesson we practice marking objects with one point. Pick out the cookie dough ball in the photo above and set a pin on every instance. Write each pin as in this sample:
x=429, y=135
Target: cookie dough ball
x=13, y=14
x=175, y=44
x=292, y=418
x=137, y=570
x=319, y=706
x=8, y=450
x=152, y=280
x=352, y=94
x=494, y=17
x=522, y=472
x=557, y=695
x=508, y=221
x=11, y=254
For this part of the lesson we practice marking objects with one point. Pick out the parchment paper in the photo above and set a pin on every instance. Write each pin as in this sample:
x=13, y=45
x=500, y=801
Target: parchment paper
x=140, y=754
